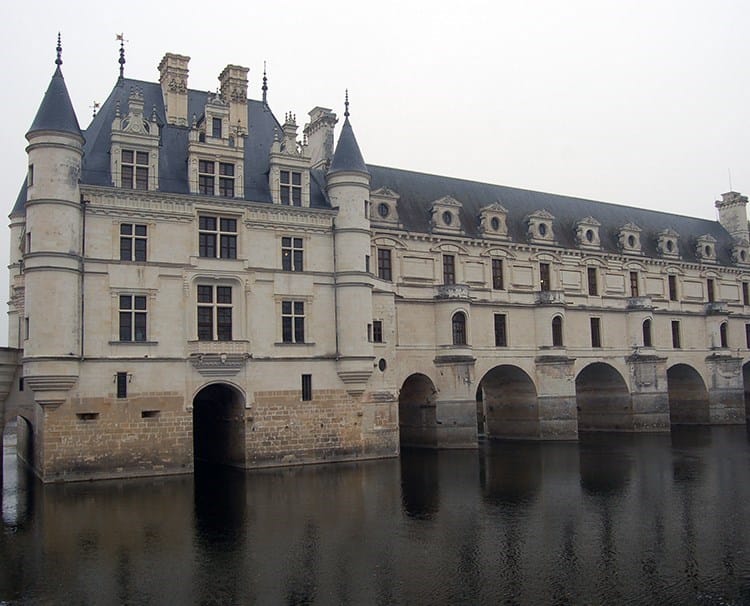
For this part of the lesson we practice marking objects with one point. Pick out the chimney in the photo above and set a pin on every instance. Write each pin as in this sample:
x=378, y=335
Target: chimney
x=173, y=77
x=233, y=81
x=733, y=215
x=319, y=134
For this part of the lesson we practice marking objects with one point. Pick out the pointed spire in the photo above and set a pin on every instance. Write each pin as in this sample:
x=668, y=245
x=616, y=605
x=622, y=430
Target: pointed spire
x=121, y=60
x=264, y=88
x=347, y=156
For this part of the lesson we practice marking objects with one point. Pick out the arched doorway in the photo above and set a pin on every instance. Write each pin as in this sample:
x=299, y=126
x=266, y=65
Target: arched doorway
x=688, y=396
x=417, y=419
x=219, y=426
x=511, y=409
x=603, y=399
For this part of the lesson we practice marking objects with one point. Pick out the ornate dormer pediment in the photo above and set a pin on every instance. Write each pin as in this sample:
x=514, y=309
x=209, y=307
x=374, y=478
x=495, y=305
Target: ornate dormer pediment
x=444, y=215
x=741, y=252
x=384, y=206
x=540, y=227
x=705, y=248
x=667, y=243
x=289, y=172
x=629, y=238
x=587, y=233
x=493, y=221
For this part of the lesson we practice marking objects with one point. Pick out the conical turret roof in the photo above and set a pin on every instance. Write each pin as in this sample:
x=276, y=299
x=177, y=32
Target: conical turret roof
x=347, y=156
x=56, y=111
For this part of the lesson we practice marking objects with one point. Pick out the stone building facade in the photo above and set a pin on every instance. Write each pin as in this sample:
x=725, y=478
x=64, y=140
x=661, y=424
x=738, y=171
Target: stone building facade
x=190, y=280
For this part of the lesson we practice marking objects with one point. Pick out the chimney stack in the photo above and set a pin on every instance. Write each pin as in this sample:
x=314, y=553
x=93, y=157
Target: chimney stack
x=173, y=77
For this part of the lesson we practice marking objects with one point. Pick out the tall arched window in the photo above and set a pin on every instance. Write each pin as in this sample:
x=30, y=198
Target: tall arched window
x=723, y=334
x=647, y=333
x=557, y=331
x=459, y=328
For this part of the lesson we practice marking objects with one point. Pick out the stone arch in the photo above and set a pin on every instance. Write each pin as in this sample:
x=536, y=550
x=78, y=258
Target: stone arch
x=603, y=399
x=510, y=405
x=688, y=396
x=219, y=425
x=417, y=413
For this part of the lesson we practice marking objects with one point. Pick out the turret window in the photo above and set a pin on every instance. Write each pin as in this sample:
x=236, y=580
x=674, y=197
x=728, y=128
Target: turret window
x=557, y=331
x=459, y=328
x=290, y=188
x=647, y=333
x=134, y=169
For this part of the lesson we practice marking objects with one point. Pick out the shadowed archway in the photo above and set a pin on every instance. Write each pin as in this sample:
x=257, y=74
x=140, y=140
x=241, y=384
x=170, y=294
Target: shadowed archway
x=417, y=418
x=688, y=396
x=219, y=426
x=603, y=399
x=510, y=403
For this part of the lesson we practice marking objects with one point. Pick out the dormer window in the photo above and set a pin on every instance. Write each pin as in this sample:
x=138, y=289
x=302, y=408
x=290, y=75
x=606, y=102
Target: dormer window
x=384, y=210
x=207, y=175
x=290, y=188
x=445, y=215
x=384, y=206
x=706, y=248
x=216, y=128
x=587, y=233
x=134, y=169
x=134, y=151
x=667, y=243
x=540, y=226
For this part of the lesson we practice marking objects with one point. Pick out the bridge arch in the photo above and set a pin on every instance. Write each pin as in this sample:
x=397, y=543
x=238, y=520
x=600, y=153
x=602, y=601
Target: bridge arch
x=417, y=414
x=688, y=396
x=509, y=406
x=603, y=399
x=219, y=425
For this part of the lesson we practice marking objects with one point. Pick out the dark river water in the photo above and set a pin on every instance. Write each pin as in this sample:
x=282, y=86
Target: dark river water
x=614, y=519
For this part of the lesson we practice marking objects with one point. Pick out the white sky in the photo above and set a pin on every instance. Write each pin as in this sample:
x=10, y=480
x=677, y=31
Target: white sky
x=639, y=102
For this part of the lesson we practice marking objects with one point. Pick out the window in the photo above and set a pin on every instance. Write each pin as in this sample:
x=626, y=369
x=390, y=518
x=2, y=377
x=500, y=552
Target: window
x=723, y=334
x=293, y=321
x=206, y=177
x=28, y=242
x=367, y=263
x=647, y=333
x=710, y=290
x=497, y=274
x=459, y=328
x=27, y=328
x=672, y=279
x=596, y=332
x=745, y=294
x=132, y=242
x=132, y=318
x=290, y=188
x=557, y=332
x=591, y=274
x=384, y=264
x=449, y=269
x=216, y=128
x=122, y=384
x=501, y=333
x=291, y=254
x=377, y=331
x=30, y=179
x=134, y=169
x=226, y=179
x=544, y=281
x=213, y=230
x=747, y=336
x=214, y=313
x=306, y=388
x=633, y=283
x=676, y=334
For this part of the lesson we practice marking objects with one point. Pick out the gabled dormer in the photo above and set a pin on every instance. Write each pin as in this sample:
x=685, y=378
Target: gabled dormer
x=384, y=207
x=289, y=171
x=667, y=243
x=539, y=227
x=705, y=248
x=493, y=221
x=444, y=215
x=587, y=233
x=134, y=147
x=629, y=239
x=741, y=252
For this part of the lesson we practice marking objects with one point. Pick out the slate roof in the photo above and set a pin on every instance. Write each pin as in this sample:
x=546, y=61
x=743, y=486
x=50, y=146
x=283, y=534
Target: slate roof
x=56, y=110
x=347, y=156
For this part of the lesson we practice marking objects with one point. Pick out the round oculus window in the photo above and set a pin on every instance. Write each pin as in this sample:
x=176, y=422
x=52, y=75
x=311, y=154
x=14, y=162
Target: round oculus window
x=542, y=229
x=382, y=365
x=447, y=217
x=631, y=241
x=707, y=250
x=495, y=223
x=589, y=235
x=384, y=210
x=743, y=255
x=670, y=246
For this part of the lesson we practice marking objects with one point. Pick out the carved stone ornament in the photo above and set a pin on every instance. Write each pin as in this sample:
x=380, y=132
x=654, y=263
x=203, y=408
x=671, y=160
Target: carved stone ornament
x=177, y=86
x=223, y=364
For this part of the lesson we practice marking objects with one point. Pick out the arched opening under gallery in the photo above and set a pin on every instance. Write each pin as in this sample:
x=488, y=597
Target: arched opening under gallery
x=510, y=406
x=688, y=396
x=219, y=426
x=417, y=418
x=603, y=399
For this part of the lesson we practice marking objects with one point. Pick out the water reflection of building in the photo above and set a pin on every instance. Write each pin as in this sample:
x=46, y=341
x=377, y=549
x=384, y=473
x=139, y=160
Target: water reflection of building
x=225, y=291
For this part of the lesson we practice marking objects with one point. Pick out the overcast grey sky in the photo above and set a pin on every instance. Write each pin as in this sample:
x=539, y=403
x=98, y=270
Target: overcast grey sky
x=643, y=103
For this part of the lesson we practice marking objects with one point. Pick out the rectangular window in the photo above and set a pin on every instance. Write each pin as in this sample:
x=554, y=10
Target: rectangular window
x=384, y=264
x=132, y=242
x=377, y=331
x=501, y=334
x=747, y=336
x=591, y=275
x=633, y=283
x=20, y=384
x=226, y=180
x=132, y=318
x=122, y=384
x=672, y=280
x=290, y=188
x=710, y=290
x=214, y=313
x=544, y=277
x=596, y=334
x=28, y=242
x=216, y=128
x=306, y=388
x=449, y=269
x=676, y=334
x=30, y=180
x=497, y=274
x=134, y=169
x=745, y=294
x=27, y=328
x=291, y=254
x=213, y=230
x=367, y=263
x=206, y=171
x=293, y=321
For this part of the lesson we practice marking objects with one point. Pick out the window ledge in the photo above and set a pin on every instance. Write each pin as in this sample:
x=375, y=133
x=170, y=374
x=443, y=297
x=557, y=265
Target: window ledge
x=129, y=343
x=285, y=344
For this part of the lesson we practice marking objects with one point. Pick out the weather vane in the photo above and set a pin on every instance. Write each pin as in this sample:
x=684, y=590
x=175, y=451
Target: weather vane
x=121, y=60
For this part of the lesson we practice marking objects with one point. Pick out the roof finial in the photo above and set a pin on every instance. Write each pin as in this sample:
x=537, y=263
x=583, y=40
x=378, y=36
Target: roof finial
x=346, y=104
x=58, y=61
x=121, y=60
x=264, y=88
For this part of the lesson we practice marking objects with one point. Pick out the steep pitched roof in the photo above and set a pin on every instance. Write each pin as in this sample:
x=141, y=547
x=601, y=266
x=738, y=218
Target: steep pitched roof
x=56, y=110
x=347, y=156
